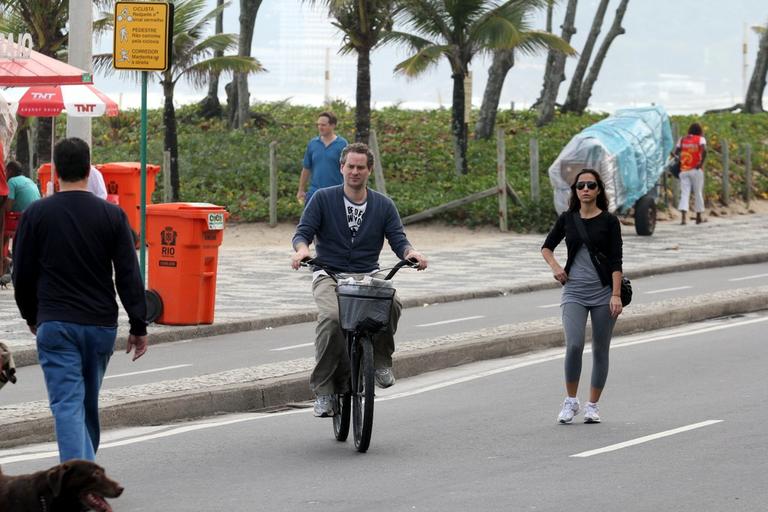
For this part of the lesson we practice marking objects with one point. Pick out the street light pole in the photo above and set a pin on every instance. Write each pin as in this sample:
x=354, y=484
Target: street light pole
x=80, y=53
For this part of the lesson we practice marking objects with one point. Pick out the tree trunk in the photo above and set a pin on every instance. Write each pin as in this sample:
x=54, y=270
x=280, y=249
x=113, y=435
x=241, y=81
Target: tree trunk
x=753, y=102
x=589, y=82
x=550, y=13
x=550, y=55
x=458, y=127
x=248, y=11
x=170, y=140
x=503, y=60
x=554, y=72
x=210, y=106
x=231, y=90
x=23, y=144
x=574, y=91
x=44, y=136
x=363, y=96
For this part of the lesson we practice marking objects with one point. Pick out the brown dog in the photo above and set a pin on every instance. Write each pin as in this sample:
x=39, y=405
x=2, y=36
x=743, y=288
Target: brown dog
x=70, y=487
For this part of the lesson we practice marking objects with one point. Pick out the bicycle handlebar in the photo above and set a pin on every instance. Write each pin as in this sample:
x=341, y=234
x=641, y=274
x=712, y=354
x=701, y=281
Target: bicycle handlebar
x=412, y=263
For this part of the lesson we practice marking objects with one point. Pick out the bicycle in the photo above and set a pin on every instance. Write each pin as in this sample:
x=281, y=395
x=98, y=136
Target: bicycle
x=364, y=310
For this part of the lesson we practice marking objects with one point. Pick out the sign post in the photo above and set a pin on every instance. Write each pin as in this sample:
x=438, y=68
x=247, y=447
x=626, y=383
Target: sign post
x=142, y=42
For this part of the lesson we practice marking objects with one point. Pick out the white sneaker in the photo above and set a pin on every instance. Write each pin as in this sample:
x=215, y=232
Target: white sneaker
x=384, y=377
x=570, y=409
x=591, y=413
x=323, y=406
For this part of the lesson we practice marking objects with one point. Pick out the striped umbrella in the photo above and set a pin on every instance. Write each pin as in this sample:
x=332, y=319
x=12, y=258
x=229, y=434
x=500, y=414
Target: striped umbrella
x=81, y=100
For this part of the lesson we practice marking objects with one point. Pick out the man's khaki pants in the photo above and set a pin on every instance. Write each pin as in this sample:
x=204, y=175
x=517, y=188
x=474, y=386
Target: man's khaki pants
x=331, y=373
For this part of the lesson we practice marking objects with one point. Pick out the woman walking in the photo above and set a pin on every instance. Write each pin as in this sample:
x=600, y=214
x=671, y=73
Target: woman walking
x=592, y=285
x=692, y=151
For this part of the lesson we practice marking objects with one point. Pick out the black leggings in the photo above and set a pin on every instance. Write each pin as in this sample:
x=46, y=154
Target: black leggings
x=574, y=325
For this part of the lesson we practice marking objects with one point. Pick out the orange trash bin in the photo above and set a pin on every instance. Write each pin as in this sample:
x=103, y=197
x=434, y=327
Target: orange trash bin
x=184, y=240
x=123, y=182
x=123, y=179
x=44, y=177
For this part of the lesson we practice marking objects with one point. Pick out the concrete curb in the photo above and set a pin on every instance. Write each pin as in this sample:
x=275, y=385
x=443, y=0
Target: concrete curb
x=28, y=355
x=444, y=352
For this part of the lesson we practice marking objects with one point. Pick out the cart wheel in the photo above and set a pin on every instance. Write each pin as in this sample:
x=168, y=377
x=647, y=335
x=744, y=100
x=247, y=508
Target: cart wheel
x=645, y=215
x=154, y=305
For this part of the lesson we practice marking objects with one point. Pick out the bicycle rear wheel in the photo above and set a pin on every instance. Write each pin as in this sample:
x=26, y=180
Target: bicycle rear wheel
x=341, y=416
x=362, y=392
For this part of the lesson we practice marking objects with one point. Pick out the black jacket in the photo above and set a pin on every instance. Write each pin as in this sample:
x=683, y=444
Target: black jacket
x=65, y=249
x=605, y=235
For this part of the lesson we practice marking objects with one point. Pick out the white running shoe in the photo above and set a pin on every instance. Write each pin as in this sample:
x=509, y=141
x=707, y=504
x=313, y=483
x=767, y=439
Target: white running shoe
x=570, y=409
x=324, y=406
x=384, y=377
x=591, y=413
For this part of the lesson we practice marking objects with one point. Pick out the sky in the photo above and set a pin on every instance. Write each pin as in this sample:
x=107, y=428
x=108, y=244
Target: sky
x=686, y=55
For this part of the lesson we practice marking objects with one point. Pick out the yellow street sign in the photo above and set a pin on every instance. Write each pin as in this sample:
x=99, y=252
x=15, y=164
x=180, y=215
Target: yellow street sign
x=142, y=39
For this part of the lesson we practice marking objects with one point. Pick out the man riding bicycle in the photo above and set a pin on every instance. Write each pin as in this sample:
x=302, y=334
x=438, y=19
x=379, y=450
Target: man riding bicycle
x=348, y=224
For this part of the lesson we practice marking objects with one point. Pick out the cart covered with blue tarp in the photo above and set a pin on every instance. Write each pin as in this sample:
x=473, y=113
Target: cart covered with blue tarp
x=629, y=149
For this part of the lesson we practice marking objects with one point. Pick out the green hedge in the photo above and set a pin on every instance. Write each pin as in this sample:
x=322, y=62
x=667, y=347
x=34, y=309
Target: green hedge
x=231, y=167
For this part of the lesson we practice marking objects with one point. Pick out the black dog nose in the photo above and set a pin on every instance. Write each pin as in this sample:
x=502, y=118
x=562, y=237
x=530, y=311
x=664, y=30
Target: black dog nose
x=119, y=491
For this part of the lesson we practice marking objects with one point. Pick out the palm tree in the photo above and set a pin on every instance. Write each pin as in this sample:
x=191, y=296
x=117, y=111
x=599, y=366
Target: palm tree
x=460, y=29
x=364, y=24
x=192, y=60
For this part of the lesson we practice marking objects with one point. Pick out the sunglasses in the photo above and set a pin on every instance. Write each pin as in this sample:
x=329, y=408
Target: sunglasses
x=591, y=185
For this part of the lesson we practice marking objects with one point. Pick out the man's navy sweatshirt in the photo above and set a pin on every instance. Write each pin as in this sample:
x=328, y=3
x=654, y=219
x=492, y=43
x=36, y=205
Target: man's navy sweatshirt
x=324, y=221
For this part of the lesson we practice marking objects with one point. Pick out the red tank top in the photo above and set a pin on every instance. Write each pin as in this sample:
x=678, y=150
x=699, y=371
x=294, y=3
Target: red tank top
x=690, y=152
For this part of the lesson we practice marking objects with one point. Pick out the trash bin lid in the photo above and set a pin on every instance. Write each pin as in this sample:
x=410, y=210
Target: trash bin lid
x=126, y=167
x=192, y=211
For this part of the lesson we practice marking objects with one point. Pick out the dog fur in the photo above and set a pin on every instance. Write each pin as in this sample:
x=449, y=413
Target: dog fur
x=73, y=486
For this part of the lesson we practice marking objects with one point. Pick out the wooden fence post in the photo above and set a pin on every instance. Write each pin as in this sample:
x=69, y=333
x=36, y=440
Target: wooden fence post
x=501, y=172
x=166, y=176
x=273, y=184
x=378, y=169
x=533, y=148
x=726, y=174
x=747, y=173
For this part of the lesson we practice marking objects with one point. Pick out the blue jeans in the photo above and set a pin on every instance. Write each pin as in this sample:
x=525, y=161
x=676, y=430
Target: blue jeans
x=74, y=358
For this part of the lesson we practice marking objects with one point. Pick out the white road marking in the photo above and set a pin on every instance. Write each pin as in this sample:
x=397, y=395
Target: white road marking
x=27, y=453
x=648, y=339
x=291, y=347
x=645, y=439
x=147, y=371
x=549, y=306
x=756, y=276
x=452, y=321
x=664, y=290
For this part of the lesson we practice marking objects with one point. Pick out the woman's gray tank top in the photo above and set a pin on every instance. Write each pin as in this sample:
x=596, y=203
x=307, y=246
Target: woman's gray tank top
x=583, y=285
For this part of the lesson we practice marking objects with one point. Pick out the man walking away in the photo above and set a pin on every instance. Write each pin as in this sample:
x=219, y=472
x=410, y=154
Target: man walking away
x=65, y=250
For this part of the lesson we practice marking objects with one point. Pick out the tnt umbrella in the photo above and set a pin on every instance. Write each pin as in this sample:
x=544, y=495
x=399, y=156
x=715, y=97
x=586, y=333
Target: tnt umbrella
x=82, y=100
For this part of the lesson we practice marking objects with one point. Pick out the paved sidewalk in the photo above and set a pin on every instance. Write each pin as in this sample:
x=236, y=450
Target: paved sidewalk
x=256, y=287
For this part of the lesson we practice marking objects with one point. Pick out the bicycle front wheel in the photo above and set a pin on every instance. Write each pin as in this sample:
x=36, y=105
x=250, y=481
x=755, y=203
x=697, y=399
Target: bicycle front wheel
x=362, y=392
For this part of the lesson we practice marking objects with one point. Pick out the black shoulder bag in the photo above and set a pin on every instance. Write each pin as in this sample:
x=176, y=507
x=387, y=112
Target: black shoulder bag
x=626, y=284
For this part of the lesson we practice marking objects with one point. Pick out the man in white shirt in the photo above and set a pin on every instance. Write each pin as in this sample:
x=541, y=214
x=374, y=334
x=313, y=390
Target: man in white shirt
x=96, y=184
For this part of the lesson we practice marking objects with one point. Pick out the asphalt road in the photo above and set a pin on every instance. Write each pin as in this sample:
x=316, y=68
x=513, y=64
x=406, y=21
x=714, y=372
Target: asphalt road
x=682, y=412
x=220, y=353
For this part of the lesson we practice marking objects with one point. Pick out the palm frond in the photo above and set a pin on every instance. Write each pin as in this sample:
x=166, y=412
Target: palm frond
x=422, y=60
x=199, y=73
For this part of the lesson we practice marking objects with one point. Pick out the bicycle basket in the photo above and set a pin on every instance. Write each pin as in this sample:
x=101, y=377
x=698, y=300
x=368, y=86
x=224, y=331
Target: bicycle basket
x=364, y=304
